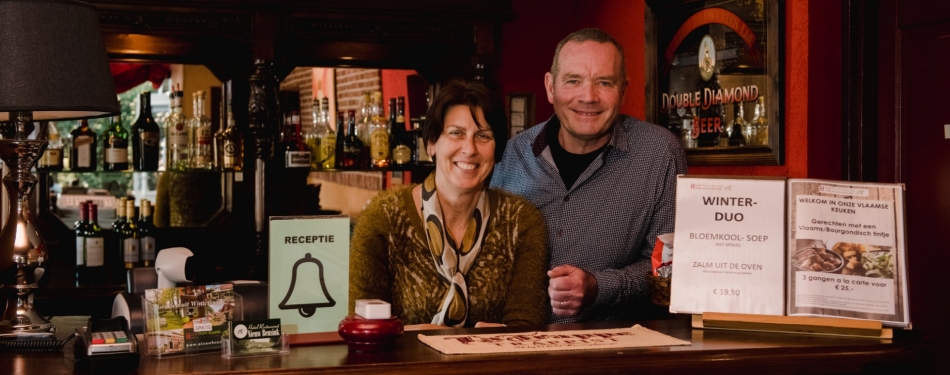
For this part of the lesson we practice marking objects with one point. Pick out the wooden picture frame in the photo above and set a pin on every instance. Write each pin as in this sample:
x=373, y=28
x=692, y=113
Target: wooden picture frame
x=706, y=61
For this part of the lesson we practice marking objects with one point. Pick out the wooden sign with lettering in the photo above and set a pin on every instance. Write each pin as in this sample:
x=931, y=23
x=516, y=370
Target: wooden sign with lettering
x=729, y=246
x=309, y=272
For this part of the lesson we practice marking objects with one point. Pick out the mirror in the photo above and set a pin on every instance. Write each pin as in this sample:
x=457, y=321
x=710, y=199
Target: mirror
x=347, y=192
x=197, y=198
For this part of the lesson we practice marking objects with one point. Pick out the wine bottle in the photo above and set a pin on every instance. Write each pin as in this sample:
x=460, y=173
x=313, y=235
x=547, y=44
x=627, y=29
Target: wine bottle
x=341, y=134
x=145, y=136
x=176, y=136
x=401, y=141
x=147, y=231
x=90, y=247
x=116, y=235
x=200, y=136
x=115, y=147
x=352, y=145
x=52, y=159
x=80, y=228
x=129, y=237
x=82, y=157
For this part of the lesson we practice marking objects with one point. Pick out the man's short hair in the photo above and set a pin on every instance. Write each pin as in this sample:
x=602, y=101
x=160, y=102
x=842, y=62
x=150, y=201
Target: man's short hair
x=593, y=35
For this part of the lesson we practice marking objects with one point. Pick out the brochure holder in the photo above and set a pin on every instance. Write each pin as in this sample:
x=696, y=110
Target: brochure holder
x=793, y=324
x=231, y=348
x=160, y=341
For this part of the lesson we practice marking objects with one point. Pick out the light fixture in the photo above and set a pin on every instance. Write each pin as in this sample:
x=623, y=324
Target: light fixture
x=54, y=68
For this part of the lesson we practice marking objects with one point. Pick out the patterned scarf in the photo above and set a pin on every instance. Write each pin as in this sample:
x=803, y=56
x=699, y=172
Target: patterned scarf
x=452, y=263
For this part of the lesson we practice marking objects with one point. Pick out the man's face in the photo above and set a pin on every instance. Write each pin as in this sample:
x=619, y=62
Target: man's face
x=586, y=93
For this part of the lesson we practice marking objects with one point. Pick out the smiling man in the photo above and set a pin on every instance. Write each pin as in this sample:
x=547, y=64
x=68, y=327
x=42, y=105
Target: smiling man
x=604, y=181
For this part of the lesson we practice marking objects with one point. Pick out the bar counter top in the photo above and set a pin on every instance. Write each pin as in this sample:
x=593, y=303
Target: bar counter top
x=712, y=351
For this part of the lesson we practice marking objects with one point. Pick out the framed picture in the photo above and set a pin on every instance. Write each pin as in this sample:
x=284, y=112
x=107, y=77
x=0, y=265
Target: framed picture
x=520, y=107
x=714, y=78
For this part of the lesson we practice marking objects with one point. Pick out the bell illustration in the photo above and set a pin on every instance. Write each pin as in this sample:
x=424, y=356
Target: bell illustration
x=304, y=295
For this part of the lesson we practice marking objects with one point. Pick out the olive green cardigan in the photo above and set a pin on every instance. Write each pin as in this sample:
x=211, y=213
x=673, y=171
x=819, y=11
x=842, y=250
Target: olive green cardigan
x=389, y=260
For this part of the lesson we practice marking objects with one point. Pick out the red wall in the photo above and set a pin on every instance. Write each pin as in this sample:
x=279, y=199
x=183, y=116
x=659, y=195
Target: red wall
x=812, y=71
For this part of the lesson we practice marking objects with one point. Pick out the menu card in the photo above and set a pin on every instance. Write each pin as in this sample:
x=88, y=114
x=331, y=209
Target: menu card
x=730, y=250
x=847, y=251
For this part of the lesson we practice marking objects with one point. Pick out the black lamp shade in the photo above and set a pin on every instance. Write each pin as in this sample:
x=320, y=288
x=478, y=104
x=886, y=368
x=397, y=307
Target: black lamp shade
x=53, y=61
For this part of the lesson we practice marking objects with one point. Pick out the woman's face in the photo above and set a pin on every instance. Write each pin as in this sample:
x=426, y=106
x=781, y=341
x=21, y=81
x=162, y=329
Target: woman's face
x=465, y=152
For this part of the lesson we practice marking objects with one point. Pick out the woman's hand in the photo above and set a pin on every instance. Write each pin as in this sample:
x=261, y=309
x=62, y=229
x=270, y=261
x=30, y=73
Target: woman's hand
x=420, y=327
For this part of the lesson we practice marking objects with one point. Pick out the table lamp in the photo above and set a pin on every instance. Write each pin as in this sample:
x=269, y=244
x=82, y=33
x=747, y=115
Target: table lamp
x=54, y=67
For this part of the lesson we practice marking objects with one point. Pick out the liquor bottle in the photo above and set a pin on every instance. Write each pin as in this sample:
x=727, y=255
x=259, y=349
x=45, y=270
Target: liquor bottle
x=401, y=141
x=723, y=140
x=736, y=138
x=363, y=122
x=420, y=154
x=115, y=147
x=379, y=136
x=233, y=159
x=52, y=159
x=200, y=137
x=312, y=136
x=749, y=131
x=296, y=154
x=90, y=247
x=129, y=237
x=327, y=138
x=218, y=146
x=176, y=136
x=760, y=123
x=352, y=145
x=145, y=136
x=147, y=231
x=82, y=157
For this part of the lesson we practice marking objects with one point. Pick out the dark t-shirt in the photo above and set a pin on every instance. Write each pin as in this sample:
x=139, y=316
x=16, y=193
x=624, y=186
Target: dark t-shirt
x=569, y=165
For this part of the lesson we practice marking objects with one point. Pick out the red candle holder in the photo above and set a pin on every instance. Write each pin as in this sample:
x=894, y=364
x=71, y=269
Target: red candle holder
x=370, y=335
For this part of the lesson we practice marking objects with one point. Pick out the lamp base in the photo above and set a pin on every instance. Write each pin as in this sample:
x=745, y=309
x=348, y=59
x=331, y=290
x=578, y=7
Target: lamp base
x=26, y=322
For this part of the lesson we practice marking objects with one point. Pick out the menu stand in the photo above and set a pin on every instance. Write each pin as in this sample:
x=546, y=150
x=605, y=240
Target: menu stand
x=792, y=324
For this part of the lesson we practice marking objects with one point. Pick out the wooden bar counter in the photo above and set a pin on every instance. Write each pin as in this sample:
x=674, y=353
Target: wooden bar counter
x=712, y=351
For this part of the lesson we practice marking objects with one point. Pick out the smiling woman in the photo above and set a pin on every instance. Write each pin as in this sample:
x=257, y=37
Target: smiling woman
x=452, y=252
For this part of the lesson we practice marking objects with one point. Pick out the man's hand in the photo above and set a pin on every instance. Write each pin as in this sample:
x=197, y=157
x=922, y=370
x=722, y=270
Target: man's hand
x=571, y=289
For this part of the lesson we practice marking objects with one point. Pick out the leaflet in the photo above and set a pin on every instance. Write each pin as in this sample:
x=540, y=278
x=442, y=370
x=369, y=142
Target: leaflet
x=847, y=251
x=188, y=319
x=730, y=250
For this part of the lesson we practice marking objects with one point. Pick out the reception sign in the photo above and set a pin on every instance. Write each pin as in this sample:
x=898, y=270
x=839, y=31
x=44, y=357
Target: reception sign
x=730, y=246
x=309, y=272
